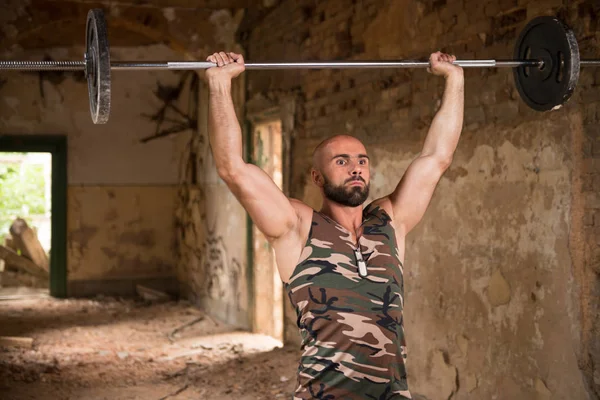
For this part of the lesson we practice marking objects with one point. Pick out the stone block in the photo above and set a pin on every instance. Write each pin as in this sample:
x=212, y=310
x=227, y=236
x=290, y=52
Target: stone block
x=588, y=219
x=596, y=148
x=587, y=182
x=591, y=166
x=592, y=200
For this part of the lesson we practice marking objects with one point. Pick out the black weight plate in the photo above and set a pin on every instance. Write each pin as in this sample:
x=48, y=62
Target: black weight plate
x=97, y=65
x=547, y=38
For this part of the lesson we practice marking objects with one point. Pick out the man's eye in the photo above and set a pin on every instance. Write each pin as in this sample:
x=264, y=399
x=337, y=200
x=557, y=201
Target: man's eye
x=340, y=162
x=363, y=162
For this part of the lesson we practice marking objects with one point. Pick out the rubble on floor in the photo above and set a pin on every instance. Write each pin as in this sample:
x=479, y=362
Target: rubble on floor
x=109, y=348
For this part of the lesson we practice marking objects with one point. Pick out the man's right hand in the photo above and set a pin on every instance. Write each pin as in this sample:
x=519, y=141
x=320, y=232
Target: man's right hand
x=229, y=65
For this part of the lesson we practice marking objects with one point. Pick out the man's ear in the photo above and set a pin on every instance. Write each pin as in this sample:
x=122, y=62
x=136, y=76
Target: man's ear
x=317, y=178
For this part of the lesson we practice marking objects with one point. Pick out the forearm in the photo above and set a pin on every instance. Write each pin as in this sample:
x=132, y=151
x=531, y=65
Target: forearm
x=444, y=133
x=225, y=134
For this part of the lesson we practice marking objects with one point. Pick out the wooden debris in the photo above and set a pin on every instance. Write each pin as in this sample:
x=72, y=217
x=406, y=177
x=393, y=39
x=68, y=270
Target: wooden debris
x=20, y=293
x=10, y=243
x=171, y=335
x=150, y=294
x=15, y=341
x=176, y=393
x=14, y=260
x=25, y=239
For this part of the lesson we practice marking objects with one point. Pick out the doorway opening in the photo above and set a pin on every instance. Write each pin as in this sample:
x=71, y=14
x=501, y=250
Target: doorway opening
x=33, y=213
x=268, y=289
x=25, y=224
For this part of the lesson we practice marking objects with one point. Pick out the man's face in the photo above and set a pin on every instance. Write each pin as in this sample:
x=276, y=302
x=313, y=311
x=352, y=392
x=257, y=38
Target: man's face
x=344, y=170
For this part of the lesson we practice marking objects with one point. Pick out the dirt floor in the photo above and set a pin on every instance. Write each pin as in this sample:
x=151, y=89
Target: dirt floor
x=124, y=349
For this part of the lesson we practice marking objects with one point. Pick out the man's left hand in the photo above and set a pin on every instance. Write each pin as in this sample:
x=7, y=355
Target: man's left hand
x=441, y=64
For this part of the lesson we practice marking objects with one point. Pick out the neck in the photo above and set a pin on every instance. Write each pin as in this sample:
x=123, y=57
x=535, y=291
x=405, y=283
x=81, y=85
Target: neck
x=349, y=217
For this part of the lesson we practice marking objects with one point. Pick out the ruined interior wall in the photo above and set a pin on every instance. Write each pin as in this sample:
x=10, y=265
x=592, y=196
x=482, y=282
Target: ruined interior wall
x=211, y=225
x=130, y=203
x=501, y=294
x=121, y=193
x=212, y=228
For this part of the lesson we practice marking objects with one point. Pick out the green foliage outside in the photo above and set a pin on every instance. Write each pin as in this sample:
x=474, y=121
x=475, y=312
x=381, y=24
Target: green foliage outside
x=21, y=193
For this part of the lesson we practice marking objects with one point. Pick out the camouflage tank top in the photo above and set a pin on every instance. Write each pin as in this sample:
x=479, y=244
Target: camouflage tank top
x=350, y=312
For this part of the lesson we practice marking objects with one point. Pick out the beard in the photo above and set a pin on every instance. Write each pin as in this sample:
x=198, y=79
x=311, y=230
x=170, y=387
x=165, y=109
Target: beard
x=352, y=196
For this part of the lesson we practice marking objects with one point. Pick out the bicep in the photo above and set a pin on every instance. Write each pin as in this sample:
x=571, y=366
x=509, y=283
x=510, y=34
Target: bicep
x=270, y=210
x=412, y=196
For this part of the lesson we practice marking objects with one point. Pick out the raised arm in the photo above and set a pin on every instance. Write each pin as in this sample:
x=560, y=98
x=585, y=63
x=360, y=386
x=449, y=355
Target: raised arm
x=413, y=194
x=269, y=208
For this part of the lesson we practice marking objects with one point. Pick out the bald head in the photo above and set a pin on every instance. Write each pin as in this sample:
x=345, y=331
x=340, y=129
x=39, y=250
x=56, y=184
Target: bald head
x=335, y=145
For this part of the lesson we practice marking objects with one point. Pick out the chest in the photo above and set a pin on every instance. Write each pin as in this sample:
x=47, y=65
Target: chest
x=330, y=268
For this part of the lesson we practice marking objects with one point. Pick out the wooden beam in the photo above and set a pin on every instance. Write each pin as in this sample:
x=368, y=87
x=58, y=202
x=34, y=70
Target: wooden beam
x=25, y=239
x=13, y=259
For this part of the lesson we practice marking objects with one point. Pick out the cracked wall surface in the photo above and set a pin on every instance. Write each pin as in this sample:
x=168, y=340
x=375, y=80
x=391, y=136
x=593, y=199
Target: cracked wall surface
x=124, y=177
x=501, y=275
x=121, y=193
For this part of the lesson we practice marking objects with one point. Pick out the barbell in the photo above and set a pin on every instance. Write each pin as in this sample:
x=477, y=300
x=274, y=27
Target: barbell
x=545, y=66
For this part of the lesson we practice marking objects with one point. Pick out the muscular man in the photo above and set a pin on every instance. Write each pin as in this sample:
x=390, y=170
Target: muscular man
x=341, y=266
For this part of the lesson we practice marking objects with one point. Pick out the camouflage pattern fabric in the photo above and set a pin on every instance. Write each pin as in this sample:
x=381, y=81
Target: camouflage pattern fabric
x=353, y=344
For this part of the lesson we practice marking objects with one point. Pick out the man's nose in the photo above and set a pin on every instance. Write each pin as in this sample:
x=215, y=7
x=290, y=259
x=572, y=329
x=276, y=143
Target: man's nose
x=356, y=168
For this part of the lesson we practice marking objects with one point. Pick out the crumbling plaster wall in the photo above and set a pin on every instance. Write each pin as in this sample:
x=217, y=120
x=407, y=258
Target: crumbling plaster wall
x=501, y=275
x=212, y=228
x=123, y=193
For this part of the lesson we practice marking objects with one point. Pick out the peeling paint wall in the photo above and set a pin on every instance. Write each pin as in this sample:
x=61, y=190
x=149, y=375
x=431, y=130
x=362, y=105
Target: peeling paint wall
x=121, y=231
x=501, y=275
x=135, y=209
x=122, y=192
x=212, y=228
x=212, y=237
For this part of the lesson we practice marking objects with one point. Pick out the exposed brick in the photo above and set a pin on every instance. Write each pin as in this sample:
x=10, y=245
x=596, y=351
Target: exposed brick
x=587, y=182
x=450, y=11
x=591, y=95
x=596, y=183
x=591, y=166
x=596, y=148
x=539, y=7
x=596, y=217
x=592, y=200
x=587, y=148
x=591, y=112
x=510, y=19
x=588, y=219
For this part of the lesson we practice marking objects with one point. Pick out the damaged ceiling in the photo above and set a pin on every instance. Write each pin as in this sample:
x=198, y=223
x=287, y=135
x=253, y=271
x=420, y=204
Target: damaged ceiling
x=39, y=24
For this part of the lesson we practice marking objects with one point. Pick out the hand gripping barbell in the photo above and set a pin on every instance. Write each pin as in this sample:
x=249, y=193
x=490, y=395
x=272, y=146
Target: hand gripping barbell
x=546, y=64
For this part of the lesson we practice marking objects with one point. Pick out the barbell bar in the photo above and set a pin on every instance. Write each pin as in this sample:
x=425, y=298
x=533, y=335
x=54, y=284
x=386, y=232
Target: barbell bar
x=194, y=65
x=545, y=64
